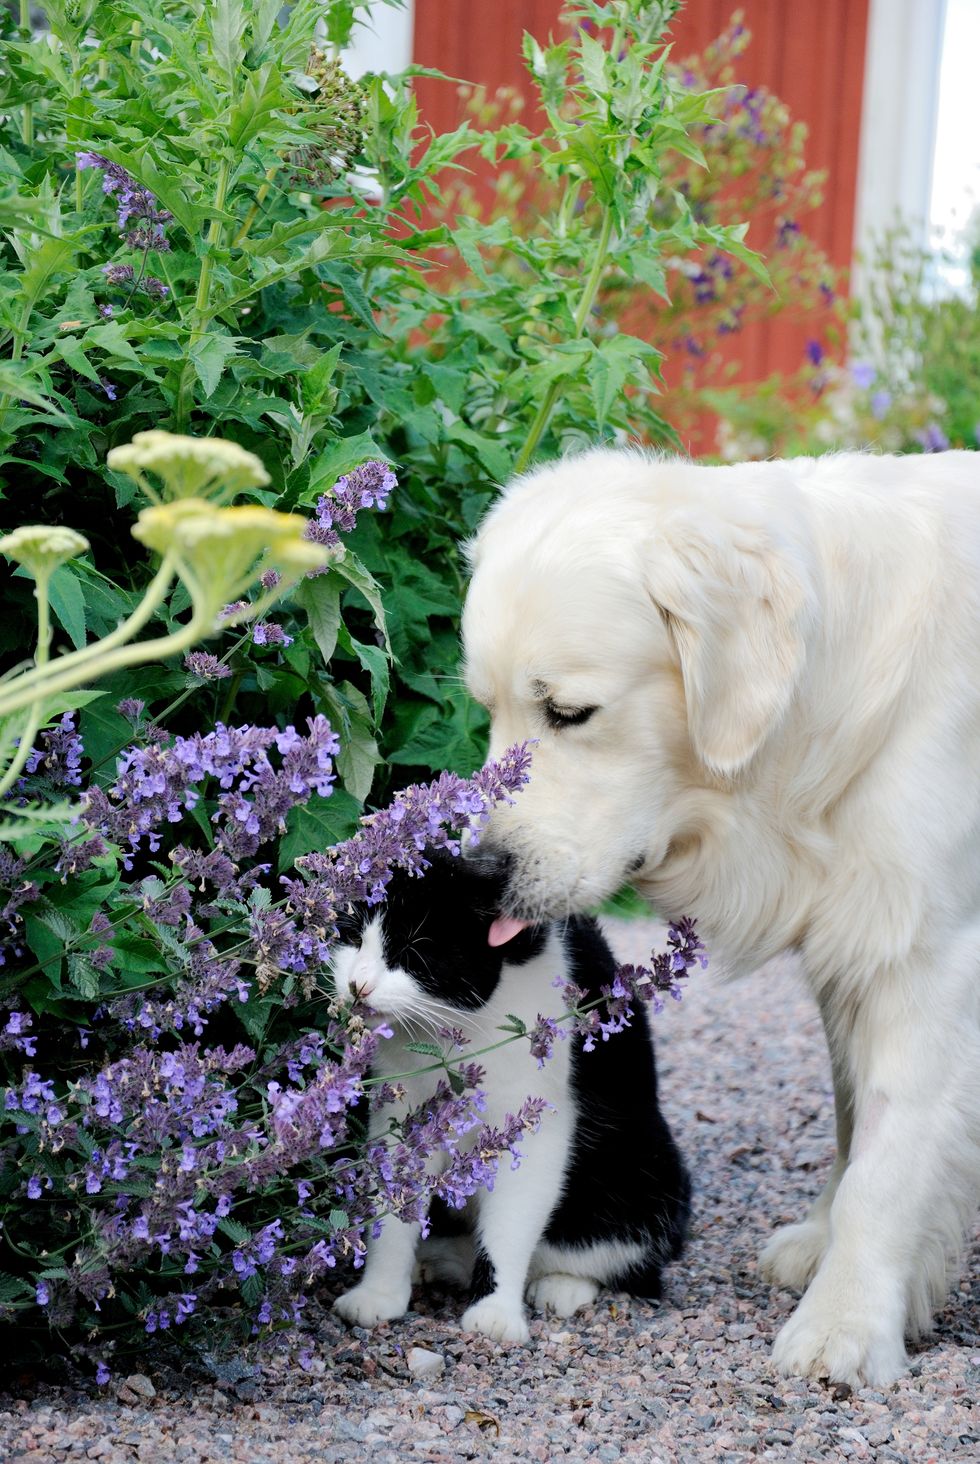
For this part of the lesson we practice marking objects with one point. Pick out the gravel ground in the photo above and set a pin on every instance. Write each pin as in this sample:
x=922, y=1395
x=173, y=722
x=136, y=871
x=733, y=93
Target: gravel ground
x=747, y=1086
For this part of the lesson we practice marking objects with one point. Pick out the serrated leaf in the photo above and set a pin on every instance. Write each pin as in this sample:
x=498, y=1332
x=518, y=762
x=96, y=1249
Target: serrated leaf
x=13, y=1288
x=424, y=1049
x=71, y=351
x=209, y=357
x=83, y=976
x=234, y=1229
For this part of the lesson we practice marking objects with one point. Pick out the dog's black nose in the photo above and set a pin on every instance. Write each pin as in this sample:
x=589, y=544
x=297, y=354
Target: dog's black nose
x=490, y=860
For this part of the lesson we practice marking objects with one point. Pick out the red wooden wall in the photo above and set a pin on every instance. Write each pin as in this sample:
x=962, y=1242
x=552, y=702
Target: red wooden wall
x=810, y=53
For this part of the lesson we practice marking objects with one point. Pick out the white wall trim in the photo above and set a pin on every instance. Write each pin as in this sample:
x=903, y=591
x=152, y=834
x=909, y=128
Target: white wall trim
x=382, y=39
x=898, y=121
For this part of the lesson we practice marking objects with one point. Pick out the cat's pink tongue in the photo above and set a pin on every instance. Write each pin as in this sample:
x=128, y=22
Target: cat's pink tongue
x=504, y=928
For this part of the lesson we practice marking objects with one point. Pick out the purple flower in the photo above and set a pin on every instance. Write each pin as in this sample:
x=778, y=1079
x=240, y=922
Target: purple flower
x=206, y=666
x=933, y=438
x=880, y=402
x=814, y=352
x=268, y=633
x=863, y=374
x=102, y=1374
x=336, y=512
x=110, y=389
x=58, y=759
x=132, y=199
x=131, y=707
x=118, y=274
x=106, y=311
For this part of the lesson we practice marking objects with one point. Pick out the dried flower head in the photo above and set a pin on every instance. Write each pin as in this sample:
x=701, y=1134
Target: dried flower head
x=41, y=548
x=188, y=466
x=217, y=548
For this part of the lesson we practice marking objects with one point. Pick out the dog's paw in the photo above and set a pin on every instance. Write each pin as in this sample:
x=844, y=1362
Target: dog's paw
x=496, y=1319
x=840, y=1343
x=561, y=1294
x=365, y=1306
x=446, y=1261
x=792, y=1257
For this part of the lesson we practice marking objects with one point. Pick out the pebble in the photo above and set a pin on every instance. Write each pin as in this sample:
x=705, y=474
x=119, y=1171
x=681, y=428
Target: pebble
x=686, y=1381
x=425, y=1364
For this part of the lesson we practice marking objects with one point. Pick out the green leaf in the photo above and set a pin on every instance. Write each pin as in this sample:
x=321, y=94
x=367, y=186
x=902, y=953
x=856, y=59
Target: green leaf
x=353, y=571
x=72, y=353
x=348, y=712
x=209, y=357
x=339, y=458
x=111, y=338
x=227, y=28
x=318, y=825
x=320, y=598
x=68, y=603
x=235, y=1230
x=424, y=1049
x=376, y=661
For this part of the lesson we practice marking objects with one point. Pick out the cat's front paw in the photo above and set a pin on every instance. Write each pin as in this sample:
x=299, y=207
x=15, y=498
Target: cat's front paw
x=366, y=1305
x=561, y=1294
x=496, y=1319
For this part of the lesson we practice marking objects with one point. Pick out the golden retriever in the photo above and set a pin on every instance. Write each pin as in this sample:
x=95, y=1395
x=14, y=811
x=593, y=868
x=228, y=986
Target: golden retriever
x=755, y=691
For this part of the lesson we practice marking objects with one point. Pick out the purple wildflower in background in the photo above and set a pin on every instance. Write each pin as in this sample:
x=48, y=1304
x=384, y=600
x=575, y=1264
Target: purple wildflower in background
x=102, y=1374
x=814, y=352
x=880, y=402
x=58, y=758
x=787, y=232
x=268, y=633
x=336, y=512
x=863, y=374
x=131, y=707
x=932, y=438
x=16, y=1034
x=208, y=667
x=119, y=274
x=109, y=387
x=133, y=201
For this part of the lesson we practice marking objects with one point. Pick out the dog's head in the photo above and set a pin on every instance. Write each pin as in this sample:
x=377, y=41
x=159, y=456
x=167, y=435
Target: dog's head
x=646, y=622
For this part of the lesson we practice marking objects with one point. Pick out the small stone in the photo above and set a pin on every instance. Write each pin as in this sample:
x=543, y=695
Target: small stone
x=139, y=1384
x=425, y=1364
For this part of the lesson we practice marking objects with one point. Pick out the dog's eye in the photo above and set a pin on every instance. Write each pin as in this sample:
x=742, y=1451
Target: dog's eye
x=567, y=716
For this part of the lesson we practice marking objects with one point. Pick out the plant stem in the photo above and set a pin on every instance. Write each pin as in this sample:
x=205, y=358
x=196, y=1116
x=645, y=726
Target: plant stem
x=132, y=655
x=203, y=297
x=253, y=212
x=585, y=304
x=27, y=116
x=33, y=720
x=156, y=591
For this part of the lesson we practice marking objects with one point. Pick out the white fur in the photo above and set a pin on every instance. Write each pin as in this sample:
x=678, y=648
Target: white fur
x=785, y=659
x=511, y=1217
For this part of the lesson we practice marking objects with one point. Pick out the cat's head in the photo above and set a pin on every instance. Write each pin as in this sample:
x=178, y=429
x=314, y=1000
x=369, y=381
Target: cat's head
x=427, y=946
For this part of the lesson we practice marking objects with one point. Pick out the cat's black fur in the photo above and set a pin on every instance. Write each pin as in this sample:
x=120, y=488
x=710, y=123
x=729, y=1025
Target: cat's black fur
x=626, y=1181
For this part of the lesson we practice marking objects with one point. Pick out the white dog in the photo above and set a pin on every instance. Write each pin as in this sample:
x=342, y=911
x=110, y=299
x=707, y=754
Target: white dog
x=756, y=694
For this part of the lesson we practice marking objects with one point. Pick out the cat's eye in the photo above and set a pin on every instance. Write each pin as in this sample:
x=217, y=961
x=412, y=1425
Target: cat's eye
x=560, y=717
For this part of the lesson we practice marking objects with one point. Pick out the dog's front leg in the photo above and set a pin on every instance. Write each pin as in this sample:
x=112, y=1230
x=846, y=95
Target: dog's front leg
x=794, y=1253
x=903, y=1201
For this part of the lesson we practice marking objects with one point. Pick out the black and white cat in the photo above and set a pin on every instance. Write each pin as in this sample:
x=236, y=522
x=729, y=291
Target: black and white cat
x=601, y=1195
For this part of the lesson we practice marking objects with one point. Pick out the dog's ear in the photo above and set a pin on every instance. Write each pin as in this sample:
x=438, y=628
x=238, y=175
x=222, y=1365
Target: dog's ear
x=737, y=601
